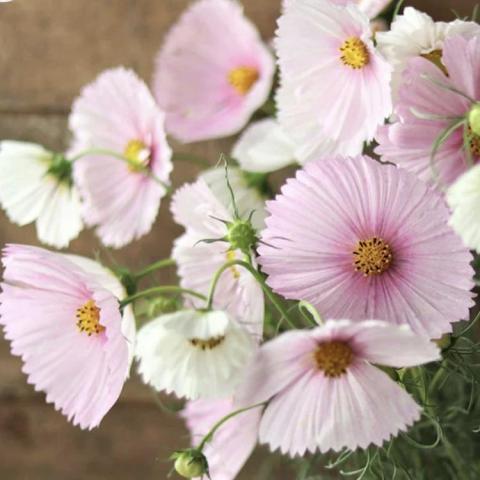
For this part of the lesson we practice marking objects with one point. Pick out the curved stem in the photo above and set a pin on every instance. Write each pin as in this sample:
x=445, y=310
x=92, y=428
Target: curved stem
x=167, y=262
x=225, y=419
x=110, y=153
x=160, y=290
x=257, y=277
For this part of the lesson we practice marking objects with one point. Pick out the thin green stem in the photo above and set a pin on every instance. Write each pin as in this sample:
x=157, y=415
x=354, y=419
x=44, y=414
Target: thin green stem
x=257, y=277
x=160, y=290
x=469, y=326
x=222, y=421
x=167, y=262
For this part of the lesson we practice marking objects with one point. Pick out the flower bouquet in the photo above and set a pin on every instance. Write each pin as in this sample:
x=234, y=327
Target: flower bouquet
x=331, y=318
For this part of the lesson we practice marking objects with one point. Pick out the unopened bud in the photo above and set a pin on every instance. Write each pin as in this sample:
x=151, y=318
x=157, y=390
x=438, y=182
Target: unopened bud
x=241, y=235
x=190, y=463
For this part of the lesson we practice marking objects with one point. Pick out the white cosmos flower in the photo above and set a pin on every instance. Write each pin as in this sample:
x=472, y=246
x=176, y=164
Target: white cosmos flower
x=264, y=147
x=464, y=200
x=35, y=186
x=194, y=354
x=414, y=34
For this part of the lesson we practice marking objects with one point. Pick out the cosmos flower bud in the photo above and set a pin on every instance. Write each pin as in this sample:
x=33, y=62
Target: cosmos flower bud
x=474, y=118
x=241, y=235
x=190, y=463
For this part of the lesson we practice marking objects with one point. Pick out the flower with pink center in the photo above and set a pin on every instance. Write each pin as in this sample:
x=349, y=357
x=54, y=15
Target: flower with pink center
x=117, y=114
x=62, y=316
x=195, y=207
x=212, y=73
x=429, y=103
x=334, y=86
x=325, y=392
x=359, y=239
x=232, y=444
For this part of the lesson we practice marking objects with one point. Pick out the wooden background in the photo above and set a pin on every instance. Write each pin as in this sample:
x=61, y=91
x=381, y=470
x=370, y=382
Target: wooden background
x=48, y=50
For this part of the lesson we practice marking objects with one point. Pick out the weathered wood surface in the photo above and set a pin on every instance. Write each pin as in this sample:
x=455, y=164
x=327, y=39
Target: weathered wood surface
x=48, y=50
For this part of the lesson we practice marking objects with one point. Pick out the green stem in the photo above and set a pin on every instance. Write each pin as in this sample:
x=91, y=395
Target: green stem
x=167, y=262
x=469, y=326
x=110, y=153
x=160, y=290
x=214, y=429
x=257, y=277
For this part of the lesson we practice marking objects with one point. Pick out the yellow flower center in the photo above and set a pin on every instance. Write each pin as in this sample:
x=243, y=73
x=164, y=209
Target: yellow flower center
x=209, y=344
x=435, y=56
x=333, y=358
x=88, y=319
x=473, y=142
x=232, y=256
x=137, y=154
x=372, y=257
x=242, y=79
x=355, y=53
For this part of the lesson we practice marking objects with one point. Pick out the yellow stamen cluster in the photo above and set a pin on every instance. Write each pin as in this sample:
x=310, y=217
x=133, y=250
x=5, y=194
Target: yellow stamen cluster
x=435, y=56
x=355, y=53
x=137, y=154
x=209, y=344
x=88, y=319
x=242, y=79
x=372, y=257
x=473, y=142
x=333, y=358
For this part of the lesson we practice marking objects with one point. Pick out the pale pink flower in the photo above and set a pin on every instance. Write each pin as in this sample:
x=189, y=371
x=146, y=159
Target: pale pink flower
x=117, y=113
x=232, y=444
x=335, y=87
x=213, y=72
x=427, y=107
x=358, y=240
x=195, y=207
x=65, y=323
x=325, y=392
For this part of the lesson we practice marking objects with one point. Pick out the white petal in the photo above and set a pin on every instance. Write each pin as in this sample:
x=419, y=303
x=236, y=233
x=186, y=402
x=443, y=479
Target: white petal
x=264, y=147
x=60, y=220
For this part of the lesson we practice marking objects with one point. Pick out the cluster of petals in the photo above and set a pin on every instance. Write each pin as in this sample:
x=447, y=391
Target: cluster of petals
x=32, y=190
x=204, y=216
x=429, y=104
x=214, y=44
x=232, y=444
x=359, y=239
x=61, y=314
x=325, y=391
x=117, y=114
x=334, y=85
x=194, y=354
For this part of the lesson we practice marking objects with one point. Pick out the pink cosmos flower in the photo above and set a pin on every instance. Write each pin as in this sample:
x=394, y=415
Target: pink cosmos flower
x=196, y=208
x=325, y=392
x=213, y=72
x=63, y=319
x=117, y=113
x=232, y=444
x=335, y=87
x=361, y=240
x=426, y=108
